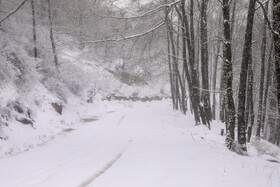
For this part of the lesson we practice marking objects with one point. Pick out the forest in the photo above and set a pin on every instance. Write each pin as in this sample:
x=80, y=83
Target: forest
x=206, y=70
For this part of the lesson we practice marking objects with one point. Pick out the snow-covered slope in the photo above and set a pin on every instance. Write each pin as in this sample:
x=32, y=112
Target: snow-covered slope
x=139, y=144
x=30, y=86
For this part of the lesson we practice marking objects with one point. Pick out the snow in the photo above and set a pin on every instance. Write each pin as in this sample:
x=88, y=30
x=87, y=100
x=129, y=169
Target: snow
x=103, y=143
x=77, y=80
x=124, y=144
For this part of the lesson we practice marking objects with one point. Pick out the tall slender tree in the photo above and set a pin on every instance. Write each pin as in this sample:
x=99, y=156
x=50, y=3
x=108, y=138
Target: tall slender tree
x=81, y=23
x=205, y=94
x=267, y=86
x=247, y=52
x=170, y=68
x=193, y=73
x=233, y=14
x=214, y=84
x=263, y=55
x=276, y=39
x=34, y=29
x=51, y=33
x=228, y=76
x=249, y=110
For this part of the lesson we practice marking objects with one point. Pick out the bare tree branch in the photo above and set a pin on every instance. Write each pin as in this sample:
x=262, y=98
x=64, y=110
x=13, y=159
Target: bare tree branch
x=14, y=11
x=124, y=37
x=142, y=15
x=266, y=17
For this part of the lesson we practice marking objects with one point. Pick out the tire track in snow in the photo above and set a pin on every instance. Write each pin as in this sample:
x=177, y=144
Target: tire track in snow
x=119, y=122
x=103, y=170
x=50, y=172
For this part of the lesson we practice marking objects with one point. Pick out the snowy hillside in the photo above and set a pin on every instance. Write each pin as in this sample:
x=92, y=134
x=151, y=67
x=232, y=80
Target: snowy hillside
x=30, y=88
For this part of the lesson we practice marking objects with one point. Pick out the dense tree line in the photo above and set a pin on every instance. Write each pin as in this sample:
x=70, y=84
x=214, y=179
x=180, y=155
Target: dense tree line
x=237, y=93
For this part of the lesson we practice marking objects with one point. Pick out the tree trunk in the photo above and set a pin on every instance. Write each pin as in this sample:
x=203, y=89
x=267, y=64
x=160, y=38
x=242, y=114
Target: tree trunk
x=194, y=80
x=51, y=34
x=205, y=95
x=179, y=99
x=43, y=10
x=180, y=79
x=265, y=98
x=233, y=17
x=195, y=88
x=192, y=27
x=185, y=89
x=34, y=29
x=276, y=39
x=272, y=118
x=175, y=64
x=250, y=105
x=263, y=55
x=170, y=71
x=1, y=6
x=222, y=103
x=228, y=76
x=247, y=52
x=215, y=81
x=277, y=141
x=81, y=24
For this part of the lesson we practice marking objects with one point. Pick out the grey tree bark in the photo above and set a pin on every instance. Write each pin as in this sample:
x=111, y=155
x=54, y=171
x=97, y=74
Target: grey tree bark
x=34, y=29
x=228, y=76
x=214, y=84
x=272, y=107
x=170, y=70
x=81, y=23
x=247, y=52
x=51, y=34
x=263, y=55
x=250, y=116
x=276, y=39
x=178, y=81
x=193, y=73
x=205, y=94
x=267, y=84
x=233, y=13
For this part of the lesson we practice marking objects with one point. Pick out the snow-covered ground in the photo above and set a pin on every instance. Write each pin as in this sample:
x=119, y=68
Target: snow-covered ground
x=125, y=144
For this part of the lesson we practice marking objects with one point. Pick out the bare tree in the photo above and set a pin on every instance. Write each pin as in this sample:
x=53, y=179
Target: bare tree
x=81, y=23
x=227, y=76
x=249, y=110
x=276, y=39
x=205, y=95
x=247, y=52
x=214, y=84
x=51, y=33
x=13, y=11
x=34, y=29
x=263, y=55
x=193, y=86
x=267, y=86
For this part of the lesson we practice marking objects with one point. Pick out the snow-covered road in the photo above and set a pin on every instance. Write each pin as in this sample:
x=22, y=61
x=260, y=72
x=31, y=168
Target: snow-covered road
x=138, y=145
